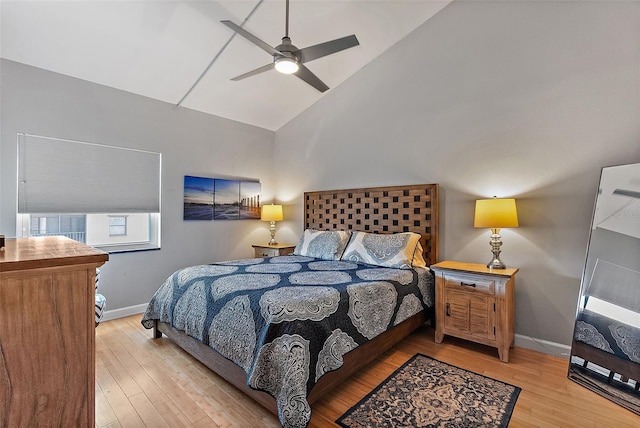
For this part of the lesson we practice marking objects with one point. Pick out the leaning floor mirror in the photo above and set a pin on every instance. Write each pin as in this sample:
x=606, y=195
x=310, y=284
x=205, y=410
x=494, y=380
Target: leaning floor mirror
x=605, y=352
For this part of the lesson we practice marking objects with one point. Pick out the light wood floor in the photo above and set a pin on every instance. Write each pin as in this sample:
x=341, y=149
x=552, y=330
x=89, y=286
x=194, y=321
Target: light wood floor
x=145, y=382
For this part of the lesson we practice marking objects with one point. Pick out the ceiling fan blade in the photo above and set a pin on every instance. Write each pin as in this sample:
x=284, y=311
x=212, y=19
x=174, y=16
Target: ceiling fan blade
x=305, y=74
x=327, y=48
x=254, y=72
x=253, y=39
x=625, y=192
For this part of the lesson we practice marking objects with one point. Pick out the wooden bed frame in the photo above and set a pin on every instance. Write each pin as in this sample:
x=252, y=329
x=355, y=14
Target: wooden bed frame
x=625, y=368
x=393, y=209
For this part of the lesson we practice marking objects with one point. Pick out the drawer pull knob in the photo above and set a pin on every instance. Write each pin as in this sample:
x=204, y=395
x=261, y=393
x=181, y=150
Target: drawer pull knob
x=467, y=284
x=448, y=310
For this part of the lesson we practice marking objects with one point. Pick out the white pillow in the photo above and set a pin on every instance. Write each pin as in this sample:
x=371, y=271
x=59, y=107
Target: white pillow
x=398, y=250
x=321, y=244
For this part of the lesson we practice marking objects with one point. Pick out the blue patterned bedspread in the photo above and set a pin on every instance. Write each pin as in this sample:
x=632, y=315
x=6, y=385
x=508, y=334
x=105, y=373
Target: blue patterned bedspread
x=288, y=320
x=609, y=335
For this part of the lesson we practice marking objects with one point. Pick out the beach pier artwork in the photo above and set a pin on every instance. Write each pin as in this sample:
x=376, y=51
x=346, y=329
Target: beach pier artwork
x=221, y=199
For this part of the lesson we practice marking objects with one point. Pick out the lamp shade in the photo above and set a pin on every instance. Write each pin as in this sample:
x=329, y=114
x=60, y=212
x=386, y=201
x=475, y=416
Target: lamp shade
x=496, y=213
x=271, y=213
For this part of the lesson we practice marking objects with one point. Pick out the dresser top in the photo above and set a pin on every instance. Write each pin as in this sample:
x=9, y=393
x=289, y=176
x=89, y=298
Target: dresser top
x=47, y=251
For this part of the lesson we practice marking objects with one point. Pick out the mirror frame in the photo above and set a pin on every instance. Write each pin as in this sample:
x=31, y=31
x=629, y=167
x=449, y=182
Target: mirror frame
x=604, y=370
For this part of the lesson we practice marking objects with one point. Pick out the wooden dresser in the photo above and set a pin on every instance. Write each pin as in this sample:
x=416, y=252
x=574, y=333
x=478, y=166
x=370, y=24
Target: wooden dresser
x=47, y=332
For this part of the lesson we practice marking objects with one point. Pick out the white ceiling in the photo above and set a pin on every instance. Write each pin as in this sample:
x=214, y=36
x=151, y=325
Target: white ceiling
x=160, y=48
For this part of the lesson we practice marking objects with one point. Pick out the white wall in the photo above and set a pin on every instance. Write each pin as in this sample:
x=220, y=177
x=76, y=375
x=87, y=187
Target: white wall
x=48, y=104
x=519, y=99
x=513, y=99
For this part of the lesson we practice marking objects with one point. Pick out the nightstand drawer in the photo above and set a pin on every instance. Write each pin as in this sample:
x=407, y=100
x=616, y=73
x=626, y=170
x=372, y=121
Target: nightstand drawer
x=267, y=252
x=273, y=250
x=480, y=284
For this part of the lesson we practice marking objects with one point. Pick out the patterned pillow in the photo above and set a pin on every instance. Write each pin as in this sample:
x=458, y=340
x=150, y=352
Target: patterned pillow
x=398, y=250
x=326, y=245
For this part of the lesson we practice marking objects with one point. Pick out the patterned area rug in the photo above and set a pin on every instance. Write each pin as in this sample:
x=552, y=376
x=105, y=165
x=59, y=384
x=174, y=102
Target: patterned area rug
x=429, y=393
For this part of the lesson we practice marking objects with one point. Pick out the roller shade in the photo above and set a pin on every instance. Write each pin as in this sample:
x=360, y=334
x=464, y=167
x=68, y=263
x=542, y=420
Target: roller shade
x=63, y=176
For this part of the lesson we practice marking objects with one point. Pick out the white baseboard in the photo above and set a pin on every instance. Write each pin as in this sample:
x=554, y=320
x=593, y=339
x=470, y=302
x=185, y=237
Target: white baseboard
x=124, y=312
x=544, y=346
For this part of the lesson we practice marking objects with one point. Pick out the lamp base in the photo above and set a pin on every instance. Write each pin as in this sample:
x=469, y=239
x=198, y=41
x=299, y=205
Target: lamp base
x=272, y=229
x=496, y=263
x=496, y=243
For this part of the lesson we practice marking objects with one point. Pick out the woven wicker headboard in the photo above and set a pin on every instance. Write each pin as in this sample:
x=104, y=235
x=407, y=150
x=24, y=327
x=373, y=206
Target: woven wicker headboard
x=392, y=209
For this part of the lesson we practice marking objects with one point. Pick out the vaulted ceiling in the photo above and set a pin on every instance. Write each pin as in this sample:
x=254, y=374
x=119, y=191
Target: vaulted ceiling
x=159, y=49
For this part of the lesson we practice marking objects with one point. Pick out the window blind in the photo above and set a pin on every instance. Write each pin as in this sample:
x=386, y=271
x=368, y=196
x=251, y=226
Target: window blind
x=63, y=176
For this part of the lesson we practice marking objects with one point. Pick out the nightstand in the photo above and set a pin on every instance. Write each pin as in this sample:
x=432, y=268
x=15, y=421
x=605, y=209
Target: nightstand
x=476, y=303
x=267, y=250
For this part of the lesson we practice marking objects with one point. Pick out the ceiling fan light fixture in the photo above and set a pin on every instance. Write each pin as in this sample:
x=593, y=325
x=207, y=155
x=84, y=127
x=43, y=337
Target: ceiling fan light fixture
x=287, y=58
x=286, y=65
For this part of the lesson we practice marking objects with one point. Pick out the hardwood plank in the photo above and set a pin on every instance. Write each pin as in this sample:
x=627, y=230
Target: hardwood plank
x=116, y=398
x=113, y=425
x=147, y=411
x=187, y=394
x=174, y=416
x=119, y=373
x=104, y=413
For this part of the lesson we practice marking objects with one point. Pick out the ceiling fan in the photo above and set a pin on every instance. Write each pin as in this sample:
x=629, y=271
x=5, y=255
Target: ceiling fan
x=624, y=192
x=288, y=59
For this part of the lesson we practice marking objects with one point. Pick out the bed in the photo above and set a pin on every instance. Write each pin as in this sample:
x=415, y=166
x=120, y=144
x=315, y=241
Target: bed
x=301, y=324
x=609, y=343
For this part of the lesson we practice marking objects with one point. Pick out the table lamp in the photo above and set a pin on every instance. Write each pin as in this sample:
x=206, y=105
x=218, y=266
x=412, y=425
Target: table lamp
x=272, y=213
x=495, y=214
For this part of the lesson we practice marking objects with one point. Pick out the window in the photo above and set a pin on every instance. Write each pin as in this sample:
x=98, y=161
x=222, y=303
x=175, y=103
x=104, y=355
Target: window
x=71, y=226
x=107, y=197
x=117, y=226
